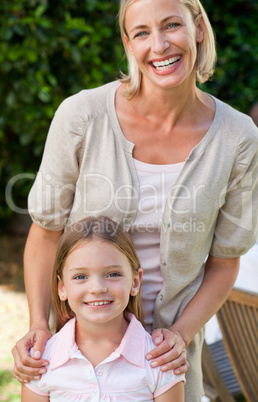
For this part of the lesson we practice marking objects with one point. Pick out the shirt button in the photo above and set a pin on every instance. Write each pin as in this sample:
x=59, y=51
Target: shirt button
x=99, y=372
x=161, y=297
x=166, y=224
x=164, y=262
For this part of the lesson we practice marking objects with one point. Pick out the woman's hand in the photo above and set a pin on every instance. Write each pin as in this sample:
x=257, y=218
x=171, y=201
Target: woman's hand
x=170, y=352
x=27, y=368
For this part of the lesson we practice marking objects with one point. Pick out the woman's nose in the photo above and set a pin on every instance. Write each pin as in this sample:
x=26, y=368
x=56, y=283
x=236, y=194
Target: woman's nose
x=159, y=42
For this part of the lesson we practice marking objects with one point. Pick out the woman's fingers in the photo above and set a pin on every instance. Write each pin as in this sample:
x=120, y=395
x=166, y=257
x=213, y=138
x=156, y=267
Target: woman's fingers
x=27, y=368
x=182, y=369
x=170, y=352
x=166, y=363
x=167, y=342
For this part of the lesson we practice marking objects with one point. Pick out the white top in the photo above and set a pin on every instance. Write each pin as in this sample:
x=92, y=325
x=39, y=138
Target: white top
x=124, y=376
x=155, y=182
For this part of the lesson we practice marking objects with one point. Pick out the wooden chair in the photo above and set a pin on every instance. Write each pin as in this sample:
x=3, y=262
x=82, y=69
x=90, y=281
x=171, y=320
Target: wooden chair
x=238, y=320
x=215, y=357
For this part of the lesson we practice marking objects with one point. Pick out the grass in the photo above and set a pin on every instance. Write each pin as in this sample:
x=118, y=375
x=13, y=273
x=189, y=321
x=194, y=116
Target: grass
x=10, y=388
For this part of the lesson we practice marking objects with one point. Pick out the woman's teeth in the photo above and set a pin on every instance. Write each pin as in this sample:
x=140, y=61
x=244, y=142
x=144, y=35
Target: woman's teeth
x=166, y=64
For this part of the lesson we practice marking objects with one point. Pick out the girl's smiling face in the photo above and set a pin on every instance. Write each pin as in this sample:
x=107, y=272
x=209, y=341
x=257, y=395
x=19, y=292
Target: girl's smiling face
x=163, y=38
x=97, y=281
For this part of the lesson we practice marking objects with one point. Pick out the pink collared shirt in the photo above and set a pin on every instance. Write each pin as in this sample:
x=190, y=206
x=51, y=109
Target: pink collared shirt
x=124, y=376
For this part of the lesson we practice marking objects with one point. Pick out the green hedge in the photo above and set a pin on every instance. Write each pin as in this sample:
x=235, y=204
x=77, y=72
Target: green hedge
x=50, y=50
x=235, y=24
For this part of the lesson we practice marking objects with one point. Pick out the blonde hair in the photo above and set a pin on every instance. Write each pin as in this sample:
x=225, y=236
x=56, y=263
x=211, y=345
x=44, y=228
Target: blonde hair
x=206, y=50
x=90, y=229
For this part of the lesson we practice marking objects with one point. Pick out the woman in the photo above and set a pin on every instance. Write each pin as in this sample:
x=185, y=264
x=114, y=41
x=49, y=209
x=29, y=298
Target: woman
x=175, y=165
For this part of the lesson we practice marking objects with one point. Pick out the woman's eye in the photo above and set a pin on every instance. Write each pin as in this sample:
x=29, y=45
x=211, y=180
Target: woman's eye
x=80, y=277
x=140, y=34
x=173, y=25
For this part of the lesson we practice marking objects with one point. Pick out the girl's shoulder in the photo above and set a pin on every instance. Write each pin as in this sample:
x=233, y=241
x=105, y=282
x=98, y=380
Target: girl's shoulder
x=161, y=380
x=56, y=342
x=49, y=346
x=149, y=344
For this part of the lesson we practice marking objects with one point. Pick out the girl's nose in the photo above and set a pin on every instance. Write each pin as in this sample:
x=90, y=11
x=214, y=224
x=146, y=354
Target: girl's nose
x=97, y=286
x=159, y=42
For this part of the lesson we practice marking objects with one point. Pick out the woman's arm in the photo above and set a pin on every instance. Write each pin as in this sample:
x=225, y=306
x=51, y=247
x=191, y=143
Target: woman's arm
x=28, y=396
x=219, y=278
x=174, y=394
x=39, y=258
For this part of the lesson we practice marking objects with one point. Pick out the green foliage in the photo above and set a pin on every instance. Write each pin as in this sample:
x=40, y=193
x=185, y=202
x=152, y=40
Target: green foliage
x=51, y=50
x=48, y=51
x=10, y=388
x=235, y=24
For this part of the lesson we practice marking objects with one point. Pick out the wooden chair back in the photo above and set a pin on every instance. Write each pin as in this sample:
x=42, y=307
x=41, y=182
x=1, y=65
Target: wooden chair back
x=238, y=320
x=213, y=383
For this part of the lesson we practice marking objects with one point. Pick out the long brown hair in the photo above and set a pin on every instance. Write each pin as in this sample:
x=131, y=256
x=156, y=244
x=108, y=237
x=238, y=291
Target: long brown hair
x=92, y=228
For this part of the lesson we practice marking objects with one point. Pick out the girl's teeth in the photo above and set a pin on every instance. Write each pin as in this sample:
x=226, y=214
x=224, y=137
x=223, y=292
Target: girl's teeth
x=98, y=303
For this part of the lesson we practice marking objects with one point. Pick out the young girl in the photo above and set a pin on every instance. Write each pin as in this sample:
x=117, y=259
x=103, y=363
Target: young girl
x=99, y=352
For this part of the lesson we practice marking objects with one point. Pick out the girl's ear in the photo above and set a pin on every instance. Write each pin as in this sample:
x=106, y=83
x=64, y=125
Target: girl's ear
x=200, y=29
x=136, y=282
x=128, y=43
x=61, y=289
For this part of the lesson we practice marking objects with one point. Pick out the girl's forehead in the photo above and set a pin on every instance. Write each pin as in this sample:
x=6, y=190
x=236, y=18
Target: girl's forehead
x=95, y=251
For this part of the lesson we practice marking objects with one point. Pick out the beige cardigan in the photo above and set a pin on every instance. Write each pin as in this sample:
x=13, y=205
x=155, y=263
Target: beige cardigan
x=212, y=208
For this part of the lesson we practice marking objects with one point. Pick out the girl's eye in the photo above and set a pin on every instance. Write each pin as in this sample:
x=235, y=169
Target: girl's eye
x=80, y=277
x=113, y=275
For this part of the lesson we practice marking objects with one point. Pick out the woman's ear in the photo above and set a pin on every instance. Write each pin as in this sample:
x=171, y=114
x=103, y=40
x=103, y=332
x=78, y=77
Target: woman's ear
x=61, y=289
x=128, y=44
x=136, y=282
x=200, y=29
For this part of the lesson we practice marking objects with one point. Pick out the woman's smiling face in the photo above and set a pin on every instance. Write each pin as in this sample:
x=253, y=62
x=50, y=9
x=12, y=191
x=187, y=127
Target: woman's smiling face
x=162, y=36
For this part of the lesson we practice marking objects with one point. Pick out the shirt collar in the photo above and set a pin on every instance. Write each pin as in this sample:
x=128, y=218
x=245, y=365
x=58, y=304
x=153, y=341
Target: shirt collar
x=132, y=346
x=65, y=345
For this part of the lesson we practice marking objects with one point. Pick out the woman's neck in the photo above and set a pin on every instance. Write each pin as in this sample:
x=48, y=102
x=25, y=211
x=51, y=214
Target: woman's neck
x=173, y=106
x=171, y=103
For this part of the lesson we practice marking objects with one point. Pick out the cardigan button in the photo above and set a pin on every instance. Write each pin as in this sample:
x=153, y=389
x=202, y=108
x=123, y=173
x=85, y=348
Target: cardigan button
x=161, y=297
x=164, y=262
x=166, y=224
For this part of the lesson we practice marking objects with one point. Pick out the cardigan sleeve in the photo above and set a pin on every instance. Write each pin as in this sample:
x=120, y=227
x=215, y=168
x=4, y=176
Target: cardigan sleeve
x=51, y=197
x=237, y=224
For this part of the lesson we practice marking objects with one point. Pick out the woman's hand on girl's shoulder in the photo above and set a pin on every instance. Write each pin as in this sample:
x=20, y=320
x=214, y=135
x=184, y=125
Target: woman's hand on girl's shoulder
x=26, y=368
x=170, y=351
